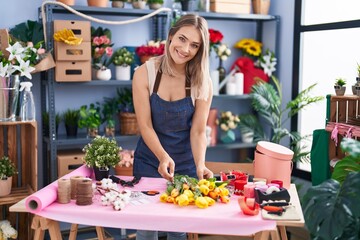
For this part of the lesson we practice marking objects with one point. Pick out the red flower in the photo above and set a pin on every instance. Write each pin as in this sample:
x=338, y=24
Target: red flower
x=152, y=49
x=215, y=36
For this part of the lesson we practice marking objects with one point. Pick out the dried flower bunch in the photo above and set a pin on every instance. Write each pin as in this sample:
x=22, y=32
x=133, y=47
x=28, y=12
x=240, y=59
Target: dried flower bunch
x=152, y=48
x=253, y=49
x=7, y=168
x=102, y=152
x=7, y=231
x=228, y=121
x=112, y=196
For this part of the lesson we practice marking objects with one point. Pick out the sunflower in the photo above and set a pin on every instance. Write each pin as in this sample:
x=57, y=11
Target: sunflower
x=249, y=46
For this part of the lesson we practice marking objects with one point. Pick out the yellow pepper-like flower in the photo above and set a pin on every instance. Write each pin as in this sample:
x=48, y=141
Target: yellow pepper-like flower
x=67, y=36
x=203, y=182
x=189, y=193
x=212, y=186
x=182, y=200
x=204, y=189
x=185, y=186
x=224, y=192
x=201, y=202
x=210, y=201
x=174, y=193
x=163, y=197
x=170, y=199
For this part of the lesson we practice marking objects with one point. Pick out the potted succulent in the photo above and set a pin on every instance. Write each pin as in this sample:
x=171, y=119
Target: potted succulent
x=90, y=118
x=71, y=118
x=127, y=117
x=101, y=154
x=109, y=109
x=139, y=4
x=155, y=4
x=332, y=209
x=118, y=3
x=7, y=170
x=122, y=59
x=340, y=86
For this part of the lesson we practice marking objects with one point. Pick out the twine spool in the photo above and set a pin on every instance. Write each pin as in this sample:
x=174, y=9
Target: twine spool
x=73, y=181
x=84, y=192
x=63, y=191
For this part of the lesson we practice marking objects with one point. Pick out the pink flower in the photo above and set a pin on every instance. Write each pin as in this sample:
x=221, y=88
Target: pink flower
x=97, y=41
x=109, y=51
x=105, y=40
x=41, y=51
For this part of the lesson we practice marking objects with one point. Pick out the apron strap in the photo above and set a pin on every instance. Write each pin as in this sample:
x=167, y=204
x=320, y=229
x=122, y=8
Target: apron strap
x=157, y=83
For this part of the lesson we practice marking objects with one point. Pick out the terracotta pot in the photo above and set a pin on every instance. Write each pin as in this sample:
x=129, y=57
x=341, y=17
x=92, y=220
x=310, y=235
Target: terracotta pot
x=5, y=187
x=261, y=6
x=155, y=6
x=117, y=4
x=67, y=2
x=139, y=4
x=98, y=3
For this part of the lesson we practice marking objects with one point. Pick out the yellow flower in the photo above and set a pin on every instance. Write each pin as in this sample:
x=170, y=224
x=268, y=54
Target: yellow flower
x=249, y=46
x=67, y=36
x=182, y=200
x=201, y=202
x=189, y=193
x=175, y=192
x=204, y=182
x=204, y=189
x=210, y=201
x=163, y=197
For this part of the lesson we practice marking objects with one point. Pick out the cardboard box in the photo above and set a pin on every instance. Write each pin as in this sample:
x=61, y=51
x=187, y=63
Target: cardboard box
x=73, y=71
x=66, y=52
x=68, y=161
x=81, y=29
x=231, y=6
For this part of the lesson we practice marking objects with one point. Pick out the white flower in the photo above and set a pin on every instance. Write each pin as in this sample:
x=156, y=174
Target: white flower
x=224, y=57
x=24, y=68
x=15, y=51
x=7, y=231
x=4, y=70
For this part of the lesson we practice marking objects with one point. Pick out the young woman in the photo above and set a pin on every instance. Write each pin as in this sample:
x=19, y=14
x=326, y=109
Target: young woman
x=172, y=97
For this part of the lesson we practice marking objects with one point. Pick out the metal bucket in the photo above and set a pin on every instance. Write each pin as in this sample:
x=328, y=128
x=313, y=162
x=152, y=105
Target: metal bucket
x=9, y=92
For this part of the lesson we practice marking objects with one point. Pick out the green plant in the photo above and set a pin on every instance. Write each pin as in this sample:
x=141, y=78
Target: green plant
x=332, y=209
x=7, y=168
x=340, y=82
x=123, y=57
x=267, y=102
x=102, y=152
x=109, y=109
x=45, y=121
x=89, y=117
x=358, y=69
x=155, y=1
x=125, y=100
x=249, y=123
x=71, y=117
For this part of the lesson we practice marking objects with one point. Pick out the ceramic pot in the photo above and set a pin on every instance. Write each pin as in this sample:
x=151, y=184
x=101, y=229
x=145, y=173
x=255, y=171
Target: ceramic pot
x=98, y=3
x=109, y=131
x=103, y=74
x=67, y=2
x=139, y=4
x=122, y=73
x=5, y=187
x=247, y=137
x=71, y=131
x=101, y=173
x=228, y=136
x=340, y=91
x=155, y=6
x=261, y=6
x=117, y=4
x=92, y=132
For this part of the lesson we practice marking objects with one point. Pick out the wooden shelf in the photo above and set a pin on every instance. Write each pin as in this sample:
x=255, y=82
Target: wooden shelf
x=16, y=195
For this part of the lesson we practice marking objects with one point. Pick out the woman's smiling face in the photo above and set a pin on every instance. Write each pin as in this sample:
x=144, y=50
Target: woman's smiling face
x=185, y=44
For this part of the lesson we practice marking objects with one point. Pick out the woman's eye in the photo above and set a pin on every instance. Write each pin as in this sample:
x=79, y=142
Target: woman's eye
x=182, y=39
x=194, y=46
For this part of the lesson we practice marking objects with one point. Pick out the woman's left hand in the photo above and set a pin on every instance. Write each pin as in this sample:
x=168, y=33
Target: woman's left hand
x=204, y=173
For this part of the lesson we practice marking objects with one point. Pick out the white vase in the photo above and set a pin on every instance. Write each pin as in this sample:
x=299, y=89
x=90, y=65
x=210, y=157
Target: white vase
x=247, y=137
x=103, y=74
x=122, y=73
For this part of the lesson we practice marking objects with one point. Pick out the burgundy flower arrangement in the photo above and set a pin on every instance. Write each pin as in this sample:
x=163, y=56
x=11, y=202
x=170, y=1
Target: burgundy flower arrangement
x=151, y=49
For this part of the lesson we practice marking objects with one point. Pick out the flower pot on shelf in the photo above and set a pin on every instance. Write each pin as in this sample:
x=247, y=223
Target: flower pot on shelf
x=155, y=6
x=261, y=6
x=67, y=2
x=98, y=3
x=340, y=90
x=5, y=186
x=103, y=74
x=145, y=58
x=122, y=73
x=92, y=132
x=71, y=130
x=247, y=137
x=228, y=136
x=117, y=4
x=128, y=124
x=101, y=172
x=139, y=4
x=109, y=131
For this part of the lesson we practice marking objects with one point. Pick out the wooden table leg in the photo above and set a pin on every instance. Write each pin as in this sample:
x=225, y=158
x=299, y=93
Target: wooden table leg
x=73, y=231
x=282, y=231
x=35, y=224
x=54, y=229
x=192, y=236
x=100, y=233
x=263, y=235
x=275, y=235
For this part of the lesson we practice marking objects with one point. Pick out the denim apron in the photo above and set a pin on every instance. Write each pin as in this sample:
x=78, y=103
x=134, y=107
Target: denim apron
x=172, y=122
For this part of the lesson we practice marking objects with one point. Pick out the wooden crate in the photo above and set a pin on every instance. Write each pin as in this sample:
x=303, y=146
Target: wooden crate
x=18, y=141
x=342, y=112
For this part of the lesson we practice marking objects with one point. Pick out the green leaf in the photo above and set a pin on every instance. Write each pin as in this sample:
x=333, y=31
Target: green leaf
x=30, y=31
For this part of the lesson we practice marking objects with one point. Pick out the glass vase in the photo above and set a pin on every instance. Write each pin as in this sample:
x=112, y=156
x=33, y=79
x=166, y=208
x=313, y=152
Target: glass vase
x=222, y=74
x=9, y=93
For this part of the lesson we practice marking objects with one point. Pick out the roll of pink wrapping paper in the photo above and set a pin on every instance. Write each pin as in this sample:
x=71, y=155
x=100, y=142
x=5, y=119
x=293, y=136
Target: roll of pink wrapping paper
x=47, y=195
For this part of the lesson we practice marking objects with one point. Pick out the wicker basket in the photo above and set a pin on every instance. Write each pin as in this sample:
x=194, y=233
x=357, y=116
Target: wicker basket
x=128, y=124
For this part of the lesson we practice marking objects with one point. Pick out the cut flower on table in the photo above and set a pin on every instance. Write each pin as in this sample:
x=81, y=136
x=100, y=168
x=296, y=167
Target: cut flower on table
x=186, y=191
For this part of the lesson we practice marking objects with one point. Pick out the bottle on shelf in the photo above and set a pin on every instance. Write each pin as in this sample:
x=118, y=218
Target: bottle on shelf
x=27, y=110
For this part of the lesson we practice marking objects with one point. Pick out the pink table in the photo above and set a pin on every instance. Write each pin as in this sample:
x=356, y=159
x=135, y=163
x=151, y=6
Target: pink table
x=218, y=219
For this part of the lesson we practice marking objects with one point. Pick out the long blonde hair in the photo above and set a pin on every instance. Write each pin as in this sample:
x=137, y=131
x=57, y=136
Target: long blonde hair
x=199, y=76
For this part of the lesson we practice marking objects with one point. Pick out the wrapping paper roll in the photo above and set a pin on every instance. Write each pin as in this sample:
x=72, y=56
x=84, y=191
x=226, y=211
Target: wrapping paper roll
x=47, y=195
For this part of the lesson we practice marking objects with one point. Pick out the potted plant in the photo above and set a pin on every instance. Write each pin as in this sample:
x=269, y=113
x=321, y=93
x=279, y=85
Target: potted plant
x=101, y=51
x=101, y=154
x=118, y=3
x=7, y=170
x=122, y=59
x=228, y=122
x=356, y=86
x=332, y=209
x=340, y=87
x=109, y=109
x=45, y=121
x=155, y=4
x=98, y=3
x=127, y=117
x=90, y=118
x=250, y=128
x=139, y=4
x=71, y=118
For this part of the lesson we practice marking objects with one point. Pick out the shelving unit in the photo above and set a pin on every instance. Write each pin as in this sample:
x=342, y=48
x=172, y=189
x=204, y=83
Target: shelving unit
x=18, y=141
x=160, y=24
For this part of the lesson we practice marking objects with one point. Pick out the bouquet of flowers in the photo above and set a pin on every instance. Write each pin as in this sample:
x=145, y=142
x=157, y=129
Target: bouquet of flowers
x=152, y=48
x=7, y=231
x=101, y=47
x=228, y=121
x=222, y=51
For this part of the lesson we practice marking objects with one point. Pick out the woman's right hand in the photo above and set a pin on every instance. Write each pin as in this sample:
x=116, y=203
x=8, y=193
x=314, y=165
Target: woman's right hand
x=166, y=168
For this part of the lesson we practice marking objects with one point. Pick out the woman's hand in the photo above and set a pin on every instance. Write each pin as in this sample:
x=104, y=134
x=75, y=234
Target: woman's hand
x=166, y=168
x=204, y=173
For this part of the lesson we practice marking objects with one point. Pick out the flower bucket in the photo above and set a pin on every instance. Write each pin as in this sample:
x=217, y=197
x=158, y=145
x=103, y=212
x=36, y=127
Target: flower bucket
x=273, y=162
x=9, y=92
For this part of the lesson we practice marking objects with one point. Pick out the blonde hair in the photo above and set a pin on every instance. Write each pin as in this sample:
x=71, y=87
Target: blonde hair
x=200, y=77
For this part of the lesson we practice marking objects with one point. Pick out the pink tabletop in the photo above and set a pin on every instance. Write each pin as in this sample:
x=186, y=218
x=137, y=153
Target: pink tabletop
x=220, y=218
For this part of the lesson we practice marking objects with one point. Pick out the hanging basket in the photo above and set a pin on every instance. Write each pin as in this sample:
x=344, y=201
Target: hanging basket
x=128, y=124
